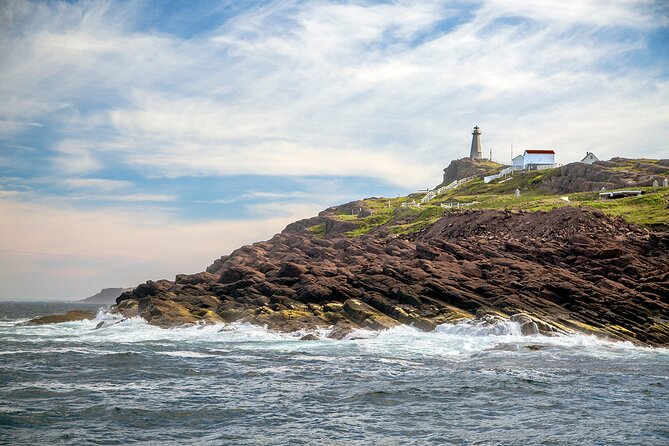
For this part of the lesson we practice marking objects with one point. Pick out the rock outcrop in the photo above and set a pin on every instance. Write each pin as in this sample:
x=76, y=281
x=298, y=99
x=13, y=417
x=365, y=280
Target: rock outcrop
x=467, y=167
x=74, y=315
x=612, y=174
x=566, y=270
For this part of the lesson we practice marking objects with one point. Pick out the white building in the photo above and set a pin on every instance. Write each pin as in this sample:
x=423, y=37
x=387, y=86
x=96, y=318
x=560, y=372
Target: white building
x=534, y=160
x=589, y=158
x=538, y=159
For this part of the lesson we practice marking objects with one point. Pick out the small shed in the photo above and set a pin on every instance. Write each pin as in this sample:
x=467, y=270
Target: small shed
x=589, y=158
x=518, y=163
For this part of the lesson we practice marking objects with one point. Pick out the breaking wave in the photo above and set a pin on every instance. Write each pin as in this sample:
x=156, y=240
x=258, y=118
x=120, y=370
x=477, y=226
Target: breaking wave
x=446, y=340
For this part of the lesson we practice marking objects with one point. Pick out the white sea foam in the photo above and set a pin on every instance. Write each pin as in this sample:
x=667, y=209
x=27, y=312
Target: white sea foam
x=403, y=342
x=186, y=354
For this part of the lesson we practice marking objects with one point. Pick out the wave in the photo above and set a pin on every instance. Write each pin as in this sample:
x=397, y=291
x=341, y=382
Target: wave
x=200, y=341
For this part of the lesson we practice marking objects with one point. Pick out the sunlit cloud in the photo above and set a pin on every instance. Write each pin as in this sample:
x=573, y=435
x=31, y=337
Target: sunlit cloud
x=337, y=89
x=137, y=198
x=96, y=183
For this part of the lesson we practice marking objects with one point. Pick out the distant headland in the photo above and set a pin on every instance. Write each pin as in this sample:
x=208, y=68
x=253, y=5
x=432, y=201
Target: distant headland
x=105, y=296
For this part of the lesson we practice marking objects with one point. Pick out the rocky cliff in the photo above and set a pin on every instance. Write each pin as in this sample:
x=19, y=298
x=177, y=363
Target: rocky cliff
x=570, y=269
x=612, y=174
x=467, y=167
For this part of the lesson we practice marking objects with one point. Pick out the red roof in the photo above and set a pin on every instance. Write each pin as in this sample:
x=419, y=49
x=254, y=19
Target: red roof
x=541, y=151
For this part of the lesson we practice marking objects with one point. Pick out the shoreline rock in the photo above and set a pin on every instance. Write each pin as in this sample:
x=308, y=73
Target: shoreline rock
x=70, y=316
x=567, y=270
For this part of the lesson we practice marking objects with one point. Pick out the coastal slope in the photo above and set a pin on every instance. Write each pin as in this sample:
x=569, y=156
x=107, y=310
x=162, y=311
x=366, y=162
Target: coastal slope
x=570, y=269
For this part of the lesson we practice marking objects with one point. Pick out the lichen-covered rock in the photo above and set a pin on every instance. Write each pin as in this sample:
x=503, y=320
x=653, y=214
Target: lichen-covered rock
x=127, y=307
x=530, y=325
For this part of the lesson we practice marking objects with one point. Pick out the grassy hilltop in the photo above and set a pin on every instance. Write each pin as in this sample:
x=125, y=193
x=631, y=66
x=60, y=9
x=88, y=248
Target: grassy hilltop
x=571, y=185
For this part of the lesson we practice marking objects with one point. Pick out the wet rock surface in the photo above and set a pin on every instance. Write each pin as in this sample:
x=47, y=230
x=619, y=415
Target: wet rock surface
x=567, y=270
x=74, y=315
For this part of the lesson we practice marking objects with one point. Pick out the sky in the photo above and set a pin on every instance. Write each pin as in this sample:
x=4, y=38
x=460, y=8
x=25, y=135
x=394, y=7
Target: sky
x=141, y=139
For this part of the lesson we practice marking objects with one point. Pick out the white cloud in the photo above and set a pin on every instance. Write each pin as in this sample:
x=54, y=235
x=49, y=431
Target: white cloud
x=133, y=198
x=96, y=183
x=75, y=157
x=626, y=13
x=276, y=195
x=282, y=209
x=373, y=90
x=9, y=193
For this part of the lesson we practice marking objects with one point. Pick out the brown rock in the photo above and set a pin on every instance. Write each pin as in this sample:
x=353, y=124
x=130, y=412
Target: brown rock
x=564, y=270
x=309, y=337
x=74, y=315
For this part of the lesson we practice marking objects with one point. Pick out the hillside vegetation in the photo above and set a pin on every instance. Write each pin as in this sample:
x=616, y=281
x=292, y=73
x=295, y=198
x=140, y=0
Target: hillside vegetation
x=571, y=185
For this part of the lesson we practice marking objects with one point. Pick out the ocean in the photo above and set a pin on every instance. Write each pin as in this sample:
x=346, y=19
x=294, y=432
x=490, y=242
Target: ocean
x=466, y=384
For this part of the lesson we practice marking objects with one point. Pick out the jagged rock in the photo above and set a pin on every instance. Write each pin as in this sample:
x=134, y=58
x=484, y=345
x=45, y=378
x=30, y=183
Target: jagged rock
x=74, y=315
x=235, y=273
x=290, y=269
x=569, y=269
x=527, y=325
x=195, y=279
x=612, y=174
x=366, y=316
x=467, y=167
x=340, y=331
x=127, y=307
x=531, y=325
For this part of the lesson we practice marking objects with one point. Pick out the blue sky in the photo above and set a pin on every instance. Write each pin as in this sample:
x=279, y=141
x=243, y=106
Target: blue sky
x=140, y=139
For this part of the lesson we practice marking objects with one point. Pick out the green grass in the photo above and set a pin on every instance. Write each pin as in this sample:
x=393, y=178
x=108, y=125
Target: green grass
x=318, y=230
x=415, y=226
x=397, y=218
x=649, y=210
x=367, y=224
x=519, y=180
x=633, y=164
x=347, y=217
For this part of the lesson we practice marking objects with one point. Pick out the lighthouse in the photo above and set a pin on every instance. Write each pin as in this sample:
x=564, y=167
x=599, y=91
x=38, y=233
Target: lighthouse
x=476, y=153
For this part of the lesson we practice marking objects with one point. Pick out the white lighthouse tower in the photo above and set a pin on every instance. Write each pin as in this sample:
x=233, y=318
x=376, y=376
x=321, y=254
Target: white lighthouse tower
x=476, y=153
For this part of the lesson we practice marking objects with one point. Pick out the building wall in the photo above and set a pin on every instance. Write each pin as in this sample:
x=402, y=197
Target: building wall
x=539, y=158
x=589, y=159
x=538, y=166
x=518, y=162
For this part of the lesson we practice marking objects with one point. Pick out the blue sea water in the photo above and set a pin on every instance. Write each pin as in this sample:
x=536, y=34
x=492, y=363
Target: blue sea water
x=238, y=384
